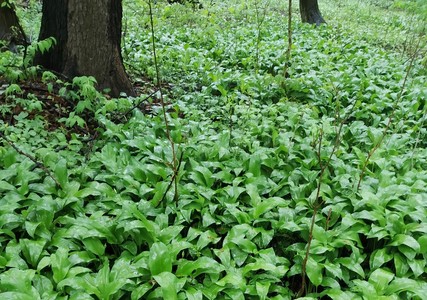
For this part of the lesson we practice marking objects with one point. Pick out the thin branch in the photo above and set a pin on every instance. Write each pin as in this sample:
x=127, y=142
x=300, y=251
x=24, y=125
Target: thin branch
x=125, y=114
x=288, y=50
x=174, y=179
x=260, y=20
x=388, y=125
x=32, y=158
x=174, y=158
x=317, y=204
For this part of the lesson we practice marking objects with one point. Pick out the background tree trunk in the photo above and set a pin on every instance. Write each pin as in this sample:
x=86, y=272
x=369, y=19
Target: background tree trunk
x=10, y=29
x=310, y=12
x=88, y=35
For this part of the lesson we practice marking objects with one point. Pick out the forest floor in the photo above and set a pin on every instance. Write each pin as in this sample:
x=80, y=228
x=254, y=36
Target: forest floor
x=255, y=186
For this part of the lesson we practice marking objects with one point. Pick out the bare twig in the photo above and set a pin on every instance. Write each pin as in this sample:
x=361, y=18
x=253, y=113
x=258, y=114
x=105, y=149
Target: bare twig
x=125, y=114
x=328, y=219
x=32, y=158
x=288, y=50
x=389, y=122
x=174, y=157
x=260, y=20
x=317, y=202
x=174, y=179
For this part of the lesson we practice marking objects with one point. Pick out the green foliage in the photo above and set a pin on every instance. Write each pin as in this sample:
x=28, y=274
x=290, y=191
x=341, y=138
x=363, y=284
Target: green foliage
x=253, y=145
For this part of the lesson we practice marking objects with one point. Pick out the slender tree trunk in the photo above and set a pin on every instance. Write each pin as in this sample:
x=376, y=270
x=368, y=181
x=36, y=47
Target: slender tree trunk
x=310, y=12
x=10, y=29
x=88, y=35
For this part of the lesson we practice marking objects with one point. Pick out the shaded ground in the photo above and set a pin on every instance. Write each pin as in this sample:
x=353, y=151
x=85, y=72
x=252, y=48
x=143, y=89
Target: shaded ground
x=55, y=106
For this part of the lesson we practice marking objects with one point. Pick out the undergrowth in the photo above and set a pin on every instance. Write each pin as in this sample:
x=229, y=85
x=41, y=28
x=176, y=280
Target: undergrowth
x=90, y=214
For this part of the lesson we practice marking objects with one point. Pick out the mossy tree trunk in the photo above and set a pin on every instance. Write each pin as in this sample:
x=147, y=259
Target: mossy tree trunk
x=88, y=35
x=310, y=12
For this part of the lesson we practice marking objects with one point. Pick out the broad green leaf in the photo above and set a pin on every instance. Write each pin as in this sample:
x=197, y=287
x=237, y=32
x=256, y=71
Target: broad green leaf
x=60, y=264
x=10, y=221
x=94, y=245
x=339, y=294
x=18, y=296
x=44, y=286
x=224, y=255
x=169, y=285
x=5, y=186
x=141, y=290
x=266, y=205
x=352, y=265
x=31, y=227
x=202, y=265
x=107, y=287
x=261, y=264
x=3, y=262
x=400, y=265
x=237, y=236
x=255, y=165
x=348, y=221
x=7, y=173
x=80, y=257
x=320, y=234
x=193, y=294
x=236, y=294
x=208, y=219
x=43, y=263
x=262, y=289
x=233, y=278
x=365, y=288
x=407, y=251
x=97, y=225
x=417, y=266
x=13, y=255
x=169, y=233
x=314, y=271
x=161, y=188
x=245, y=245
x=160, y=259
x=399, y=285
x=76, y=271
x=403, y=239
x=122, y=269
x=18, y=283
x=422, y=240
x=206, y=238
x=379, y=257
x=61, y=172
x=32, y=250
x=253, y=193
x=334, y=269
x=330, y=282
x=380, y=278
x=85, y=283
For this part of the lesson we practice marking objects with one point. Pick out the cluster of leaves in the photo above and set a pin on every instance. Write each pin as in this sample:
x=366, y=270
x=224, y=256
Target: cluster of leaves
x=104, y=224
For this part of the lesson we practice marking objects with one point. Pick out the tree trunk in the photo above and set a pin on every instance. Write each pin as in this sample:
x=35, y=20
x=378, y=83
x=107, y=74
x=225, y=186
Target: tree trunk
x=310, y=12
x=10, y=29
x=88, y=36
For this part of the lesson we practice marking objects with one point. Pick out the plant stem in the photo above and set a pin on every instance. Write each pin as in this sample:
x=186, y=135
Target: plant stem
x=389, y=122
x=317, y=204
x=288, y=50
x=32, y=158
x=162, y=102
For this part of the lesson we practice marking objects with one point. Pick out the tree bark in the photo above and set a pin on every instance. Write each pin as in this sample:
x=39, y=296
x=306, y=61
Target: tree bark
x=88, y=36
x=310, y=12
x=10, y=29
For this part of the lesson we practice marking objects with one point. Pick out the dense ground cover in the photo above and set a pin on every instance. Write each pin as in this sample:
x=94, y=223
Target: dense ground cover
x=335, y=156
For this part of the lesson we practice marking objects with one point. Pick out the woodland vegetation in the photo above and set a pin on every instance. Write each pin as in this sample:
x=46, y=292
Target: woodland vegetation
x=239, y=149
